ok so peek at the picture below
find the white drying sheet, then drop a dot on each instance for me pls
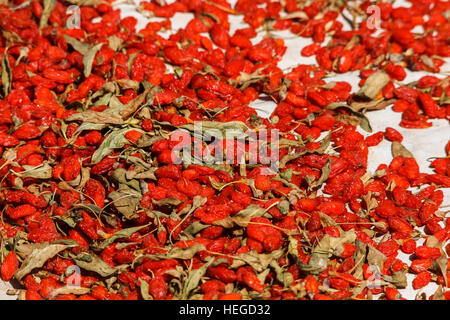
(425, 144)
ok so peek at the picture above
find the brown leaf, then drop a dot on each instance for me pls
(40, 253)
(374, 84)
(49, 5)
(95, 117)
(6, 74)
(398, 149)
(91, 262)
(126, 200)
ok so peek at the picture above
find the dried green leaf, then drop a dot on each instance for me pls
(193, 279)
(39, 254)
(120, 175)
(91, 262)
(195, 228)
(124, 233)
(95, 117)
(167, 202)
(242, 218)
(116, 139)
(258, 261)
(323, 177)
(174, 253)
(126, 200)
(82, 47)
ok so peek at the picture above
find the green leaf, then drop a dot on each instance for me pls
(124, 233)
(193, 279)
(195, 228)
(81, 47)
(116, 139)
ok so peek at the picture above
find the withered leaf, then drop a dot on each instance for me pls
(359, 257)
(258, 261)
(374, 84)
(124, 233)
(88, 3)
(42, 171)
(40, 253)
(89, 57)
(69, 290)
(174, 253)
(323, 177)
(144, 287)
(242, 218)
(126, 200)
(398, 149)
(398, 279)
(82, 47)
(321, 253)
(115, 43)
(91, 262)
(6, 74)
(125, 111)
(116, 139)
(167, 202)
(195, 228)
(439, 294)
(284, 277)
(363, 122)
(295, 15)
(193, 279)
(371, 105)
(120, 175)
(95, 117)
(375, 257)
(49, 5)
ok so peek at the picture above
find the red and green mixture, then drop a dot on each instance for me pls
(93, 207)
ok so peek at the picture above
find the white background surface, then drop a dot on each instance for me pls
(423, 143)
